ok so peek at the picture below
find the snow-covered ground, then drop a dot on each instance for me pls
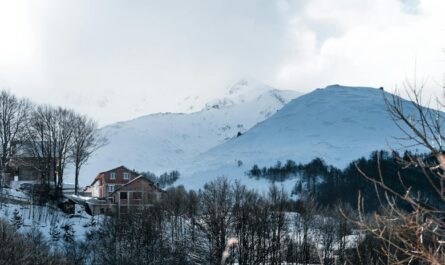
(48, 219)
(14, 194)
(338, 124)
(167, 141)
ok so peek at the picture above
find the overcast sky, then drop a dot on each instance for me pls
(116, 60)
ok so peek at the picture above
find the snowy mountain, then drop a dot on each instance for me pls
(337, 123)
(168, 141)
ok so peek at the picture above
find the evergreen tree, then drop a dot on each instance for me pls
(54, 232)
(255, 171)
(17, 220)
(68, 232)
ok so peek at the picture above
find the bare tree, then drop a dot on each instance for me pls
(251, 224)
(277, 199)
(62, 133)
(13, 117)
(414, 233)
(216, 205)
(36, 138)
(50, 138)
(305, 221)
(421, 125)
(29, 248)
(86, 140)
(40, 143)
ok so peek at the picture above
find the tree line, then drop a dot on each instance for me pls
(224, 223)
(164, 180)
(30, 248)
(330, 185)
(46, 139)
(399, 217)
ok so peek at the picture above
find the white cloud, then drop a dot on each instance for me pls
(373, 43)
(116, 60)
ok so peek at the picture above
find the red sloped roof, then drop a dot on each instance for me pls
(136, 179)
(114, 169)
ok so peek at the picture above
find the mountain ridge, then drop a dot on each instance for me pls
(336, 123)
(167, 141)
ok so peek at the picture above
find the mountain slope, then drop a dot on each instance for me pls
(167, 141)
(338, 124)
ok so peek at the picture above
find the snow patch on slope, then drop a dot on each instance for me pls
(168, 141)
(338, 124)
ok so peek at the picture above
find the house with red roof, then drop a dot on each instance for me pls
(119, 190)
(107, 182)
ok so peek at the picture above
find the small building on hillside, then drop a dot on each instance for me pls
(96, 206)
(67, 205)
(140, 192)
(22, 170)
(118, 190)
(25, 166)
(107, 182)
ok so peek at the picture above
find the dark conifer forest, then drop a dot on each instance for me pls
(330, 185)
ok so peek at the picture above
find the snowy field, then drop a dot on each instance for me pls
(168, 141)
(338, 124)
(50, 220)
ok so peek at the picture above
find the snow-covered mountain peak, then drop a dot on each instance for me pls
(242, 91)
(346, 89)
(336, 123)
(191, 104)
(247, 86)
(167, 141)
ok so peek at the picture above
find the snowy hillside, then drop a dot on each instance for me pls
(168, 141)
(338, 124)
(49, 219)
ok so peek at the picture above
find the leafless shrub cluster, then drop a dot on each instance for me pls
(45, 138)
(414, 233)
(31, 248)
(225, 223)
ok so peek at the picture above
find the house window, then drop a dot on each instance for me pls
(113, 175)
(126, 176)
(123, 195)
(110, 188)
(123, 209)
(137, 195)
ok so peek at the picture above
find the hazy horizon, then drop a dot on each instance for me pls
(118, 60)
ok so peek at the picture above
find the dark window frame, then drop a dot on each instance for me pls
(139, 197)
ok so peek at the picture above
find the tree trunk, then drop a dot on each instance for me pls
(76, 180)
